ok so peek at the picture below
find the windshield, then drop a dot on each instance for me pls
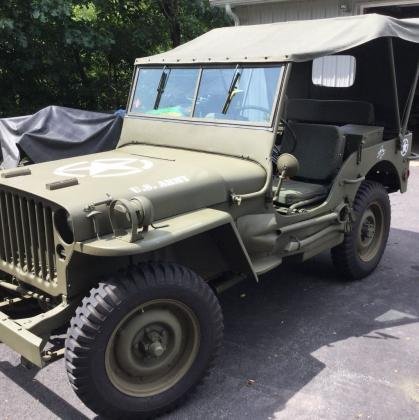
(214, 93)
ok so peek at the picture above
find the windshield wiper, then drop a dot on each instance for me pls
(230, 95)
(162, 85)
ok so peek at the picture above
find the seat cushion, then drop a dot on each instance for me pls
(295, 191)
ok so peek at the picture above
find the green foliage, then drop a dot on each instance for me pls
(79, 53)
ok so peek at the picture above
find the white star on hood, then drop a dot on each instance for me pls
(102, 168)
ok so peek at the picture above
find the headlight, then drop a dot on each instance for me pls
(129, 216)
(64, 226)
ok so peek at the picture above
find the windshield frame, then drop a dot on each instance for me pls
(201, 67)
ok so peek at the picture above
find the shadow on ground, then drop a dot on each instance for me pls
(273, 328)
(25, 379)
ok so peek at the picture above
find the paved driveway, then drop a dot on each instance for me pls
(314, 346)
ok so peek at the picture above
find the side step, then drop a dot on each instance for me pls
(264, 264)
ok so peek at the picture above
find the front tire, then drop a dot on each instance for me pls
(142, 341)
(362, 248)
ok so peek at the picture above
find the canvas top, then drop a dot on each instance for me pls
(286, 41)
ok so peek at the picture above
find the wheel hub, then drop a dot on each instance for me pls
(152, 348)
(370, 232)
(153, 341)
(148, 343)
(156, 349)
(368, 229)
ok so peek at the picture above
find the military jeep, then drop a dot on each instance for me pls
(241, 149)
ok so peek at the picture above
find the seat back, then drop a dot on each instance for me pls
(319, 149)
(337, 112)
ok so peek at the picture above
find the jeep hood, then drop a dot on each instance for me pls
(176, 181)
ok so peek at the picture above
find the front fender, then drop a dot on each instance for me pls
(173, 230)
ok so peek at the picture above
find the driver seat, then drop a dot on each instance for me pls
(319, 149)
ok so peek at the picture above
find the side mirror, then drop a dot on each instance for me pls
(287, 165)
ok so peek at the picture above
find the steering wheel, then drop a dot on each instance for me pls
(293, 135)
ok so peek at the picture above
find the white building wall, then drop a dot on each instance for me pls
(283, 11)
(279, 11)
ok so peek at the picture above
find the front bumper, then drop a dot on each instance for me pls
(24, 342)
(30, 336)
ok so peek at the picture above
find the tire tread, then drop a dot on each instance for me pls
(95, 308)
(343, 254)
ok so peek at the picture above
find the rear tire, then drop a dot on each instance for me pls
(143, 340)
(362, 248)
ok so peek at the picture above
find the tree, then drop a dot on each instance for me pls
(79, 53)
(171, 11)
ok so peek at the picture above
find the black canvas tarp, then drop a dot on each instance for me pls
(56, 133)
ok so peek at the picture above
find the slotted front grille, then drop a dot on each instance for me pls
(27, 237)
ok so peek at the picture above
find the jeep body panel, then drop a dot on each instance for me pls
(176, 181)
(232, 139)
(134, 165)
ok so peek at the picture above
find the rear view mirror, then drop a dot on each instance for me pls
(287, 165)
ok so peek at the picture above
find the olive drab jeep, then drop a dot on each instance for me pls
(241, 149)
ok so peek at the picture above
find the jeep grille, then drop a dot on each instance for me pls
(27, 237)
